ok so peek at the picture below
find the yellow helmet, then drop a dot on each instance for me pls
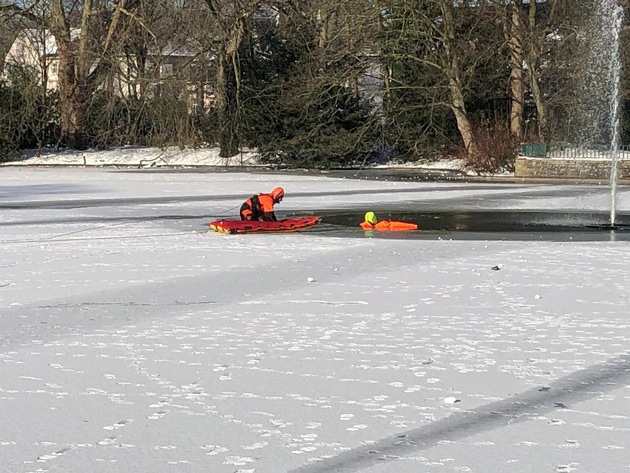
(370, 217)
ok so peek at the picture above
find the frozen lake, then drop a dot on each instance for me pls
(134, 340)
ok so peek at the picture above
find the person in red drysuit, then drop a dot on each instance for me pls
(260, 206)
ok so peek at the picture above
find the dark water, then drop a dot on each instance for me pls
(453, 223)
(484, 225)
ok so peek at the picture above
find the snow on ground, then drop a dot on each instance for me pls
(142, 157)
(135, 341)
(137, 157)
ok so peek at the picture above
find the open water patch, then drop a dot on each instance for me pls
(481, 225)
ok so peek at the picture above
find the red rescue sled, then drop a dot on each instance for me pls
(252, 226)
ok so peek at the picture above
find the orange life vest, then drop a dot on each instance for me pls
(258, 207)
(389, 225)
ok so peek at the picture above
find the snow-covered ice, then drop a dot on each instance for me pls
(135, 341)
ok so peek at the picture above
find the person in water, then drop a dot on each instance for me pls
(372, 223)
(260, 206)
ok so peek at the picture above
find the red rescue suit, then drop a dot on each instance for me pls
(259, 207)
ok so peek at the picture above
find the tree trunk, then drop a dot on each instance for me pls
(228, 139)
(463, 123)
(515, 45)
(228, 88)
(231, 17)
(71, 121)
(80, 68)
(541, 109)
(452, 70)
(534, 53)
(72, 102)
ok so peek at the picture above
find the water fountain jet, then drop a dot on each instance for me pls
(600, 94)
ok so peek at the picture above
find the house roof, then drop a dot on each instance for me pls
(44, 43)
(42, 40)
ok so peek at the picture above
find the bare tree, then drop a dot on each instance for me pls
(514, 33)
(86, 36)
(231, 18)
(443, 38)
(452, 67)
(27, 71)
(543, 27)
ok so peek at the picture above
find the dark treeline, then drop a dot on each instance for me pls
(309, 83)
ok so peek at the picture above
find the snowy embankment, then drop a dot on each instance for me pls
(140, 157)
(173, 157)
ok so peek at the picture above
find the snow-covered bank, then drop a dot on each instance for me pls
(173, 157)
(139, 157)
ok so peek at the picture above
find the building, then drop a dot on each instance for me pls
(36, 50)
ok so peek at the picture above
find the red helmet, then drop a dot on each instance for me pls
(277, 194)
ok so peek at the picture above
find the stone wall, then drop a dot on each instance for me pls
(554, 168)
